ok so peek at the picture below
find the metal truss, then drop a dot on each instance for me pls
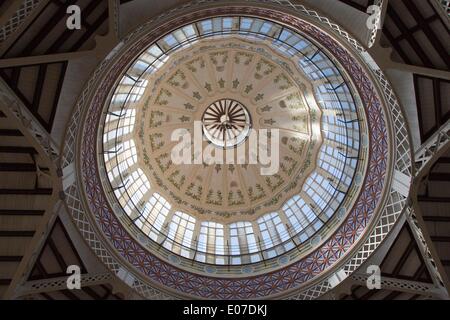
(425, 250)
(20, 112)
(427, 290)
(16, 20)
(432, 149)
(60, 283)
(445, 5)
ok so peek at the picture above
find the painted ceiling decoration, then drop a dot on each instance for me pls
(227, 200)
(225, 231)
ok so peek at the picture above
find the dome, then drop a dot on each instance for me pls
(224, 150)
(230, 144)
(261, 85)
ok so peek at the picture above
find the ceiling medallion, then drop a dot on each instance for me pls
(226, 123)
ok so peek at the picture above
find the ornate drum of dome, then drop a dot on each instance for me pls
(225, 230)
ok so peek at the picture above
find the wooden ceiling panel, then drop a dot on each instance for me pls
(39, 88)
(425, 9)
(424, 31)
(404, 260)
(445, 97)
(65, 248)
(434, 201)
(49, 261)
(406, 18)
(15, 248)
(56, 255)
(26, 81)
(359, 4)
(17, 48)
(433, 104)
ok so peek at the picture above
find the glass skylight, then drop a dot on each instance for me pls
(267, 236)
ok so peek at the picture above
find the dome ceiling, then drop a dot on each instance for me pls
(197, 81)
(224, 226)
(147, 226)
(217, 90)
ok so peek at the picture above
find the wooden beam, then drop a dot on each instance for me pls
(41, 269)
(62, 76)
(39, 84)
(440, 239)
(10, 258)
(436, 219)
(439, 176)
(418, 70)
(38, 87)
(98, 22)
(10, 133)
(9, 212)
(39, 191)
(94, 295)
(70, 295)
(368, 295)
(411, 40)
(46, 296)
(439, 119)
(431, 36)
(9, 11)
(443, 160)
(47, 27)
(14, 38)
(355, 5)
(59, 258)
(404, 257)
(433, 199)
(14, 149)
(397, 48)
(12, 234)
(420, 271)
(418, 27)
(17, 167)
(392, 295)
(58, 43)
(417, 93)
(42, 59)
(72, 245)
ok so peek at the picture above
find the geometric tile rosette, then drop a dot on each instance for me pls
(375, 212)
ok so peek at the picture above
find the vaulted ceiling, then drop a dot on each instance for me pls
(45, 66)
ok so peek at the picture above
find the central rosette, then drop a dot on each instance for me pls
(226, 123)
(228, 95)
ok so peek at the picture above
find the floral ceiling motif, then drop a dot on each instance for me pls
(261, 80)
(292, 86)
